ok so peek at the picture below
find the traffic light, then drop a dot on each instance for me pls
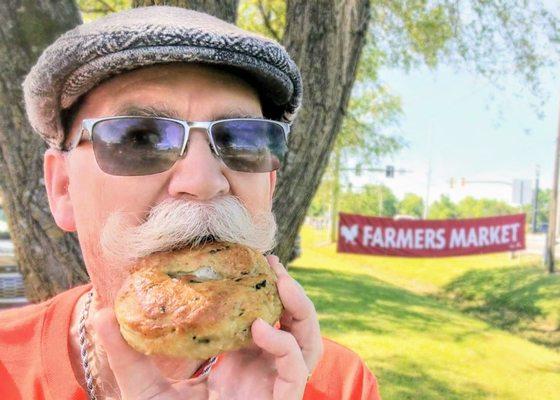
(389, 171)
(451, 182)
(463, 182)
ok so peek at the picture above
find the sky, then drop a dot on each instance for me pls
(466, 127)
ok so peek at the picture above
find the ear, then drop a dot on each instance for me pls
(55, 171)
(272, 179)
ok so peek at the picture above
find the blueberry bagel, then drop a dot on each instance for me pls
(197, 302)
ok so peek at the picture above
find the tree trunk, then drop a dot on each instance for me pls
(223, 9)
(325, 38)
(49, 260)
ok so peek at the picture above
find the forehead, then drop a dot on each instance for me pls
(177, 90)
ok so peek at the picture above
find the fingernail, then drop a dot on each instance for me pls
(262, 322)
(273, 258)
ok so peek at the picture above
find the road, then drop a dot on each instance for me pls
(535, 243)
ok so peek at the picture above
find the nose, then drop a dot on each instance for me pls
(198, 174)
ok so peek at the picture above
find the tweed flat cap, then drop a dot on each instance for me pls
(90, 53)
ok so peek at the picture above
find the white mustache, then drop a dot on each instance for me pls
(178, 223)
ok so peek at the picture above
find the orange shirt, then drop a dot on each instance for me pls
(35, 362)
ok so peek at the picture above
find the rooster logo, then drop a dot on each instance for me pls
(350, 233)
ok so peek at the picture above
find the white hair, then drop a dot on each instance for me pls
(177, 223)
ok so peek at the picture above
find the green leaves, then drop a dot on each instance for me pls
(267, 17)
(469, 207)
(93, 9)
(412, 205)
(370, 200)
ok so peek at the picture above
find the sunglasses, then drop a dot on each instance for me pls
(132, 146)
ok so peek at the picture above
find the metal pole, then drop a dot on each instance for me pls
(428, 184)
(429, 172)
(536, 200)
(335, 195)
(551, 237)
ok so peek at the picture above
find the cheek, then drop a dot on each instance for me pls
(95, 195)
(252, 189)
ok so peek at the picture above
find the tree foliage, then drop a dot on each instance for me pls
(376, 200)
(443, 208)
(411, 204)
(543, 202)
(93, 9)
(469, 207)
(490, 37)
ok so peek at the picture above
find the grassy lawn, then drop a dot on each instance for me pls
(421, 346)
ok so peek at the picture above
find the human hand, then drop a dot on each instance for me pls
(275, 367)
(279, 363)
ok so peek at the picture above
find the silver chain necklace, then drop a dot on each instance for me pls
(85, 346)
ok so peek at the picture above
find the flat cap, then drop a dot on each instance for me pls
(90, 53)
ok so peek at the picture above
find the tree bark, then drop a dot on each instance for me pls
(325, 38)
(49, 260)
(223, 9)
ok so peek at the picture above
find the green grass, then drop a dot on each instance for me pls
(524, 300)
(418, 345)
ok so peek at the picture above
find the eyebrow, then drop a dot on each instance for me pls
(160, 110)
(164, 111)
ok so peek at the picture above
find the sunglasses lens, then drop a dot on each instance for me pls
(136, 146)
(250, 145)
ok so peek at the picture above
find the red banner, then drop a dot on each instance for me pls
(430, 238)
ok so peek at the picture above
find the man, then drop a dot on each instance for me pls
(129, 174)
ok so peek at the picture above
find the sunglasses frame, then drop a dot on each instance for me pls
(89, 123)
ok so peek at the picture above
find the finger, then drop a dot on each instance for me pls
(136, 376)
(292, 294)
(300, 318)
(276, 265)
(288, 359)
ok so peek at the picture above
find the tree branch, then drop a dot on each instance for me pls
(94, 10)
(108, 7)
(267, 23)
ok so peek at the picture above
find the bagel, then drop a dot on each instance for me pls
(196, 302)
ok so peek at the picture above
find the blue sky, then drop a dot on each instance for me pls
(470, 128)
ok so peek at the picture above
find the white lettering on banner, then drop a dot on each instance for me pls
(458, 238)
(378, 238)
(515, 227)
(430, 235)
(483, 236)
(418, 238)
(358, 234)
(404, 238)
(473, 240)
(430, 238)
(494, 235)
(390, 237)
(505, 234)
(440, 236)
